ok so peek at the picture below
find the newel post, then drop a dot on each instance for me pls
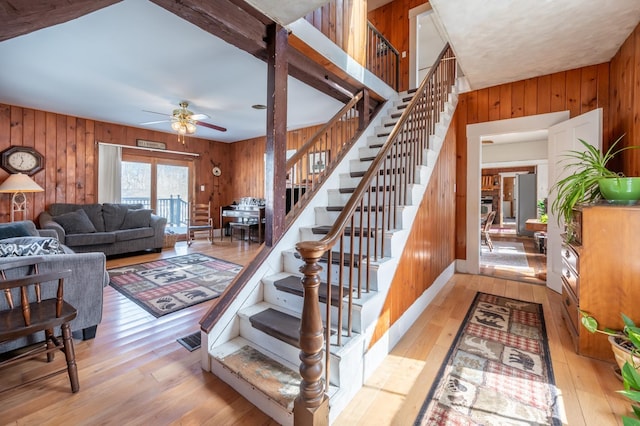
(312, 405)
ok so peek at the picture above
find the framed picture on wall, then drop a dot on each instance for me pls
(318, 161)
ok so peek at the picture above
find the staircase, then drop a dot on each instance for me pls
(256, 349)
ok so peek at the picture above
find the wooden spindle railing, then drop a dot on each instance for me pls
(366, 220)
(382, 58)
(317, 157)
(336, 138)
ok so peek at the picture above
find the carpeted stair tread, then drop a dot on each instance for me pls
(365, 208)
(348, 231)
(282, 326)
(293, 285)
(373, 189)
(335, 258)
(381, 172)
(273, 379)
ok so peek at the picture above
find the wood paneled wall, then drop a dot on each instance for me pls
(248, 179)
(578, 91)
(392, 20)
(430, 248)
(345, 23)
(69, 147)
(625, 100)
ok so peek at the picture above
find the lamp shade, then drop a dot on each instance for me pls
(19, 182)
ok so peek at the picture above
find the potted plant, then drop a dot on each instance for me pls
(590, 180)
(625, 344)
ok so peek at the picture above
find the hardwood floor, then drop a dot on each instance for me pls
(134, 371)
(537, 272)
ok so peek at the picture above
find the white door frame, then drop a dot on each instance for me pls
(413, 41)
(474, 166)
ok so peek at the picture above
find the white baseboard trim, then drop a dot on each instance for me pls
(376, 354)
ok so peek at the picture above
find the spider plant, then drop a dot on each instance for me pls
(585, 169)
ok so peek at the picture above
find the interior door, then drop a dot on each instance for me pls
(563, 137)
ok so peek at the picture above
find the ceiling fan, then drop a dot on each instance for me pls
(184, 121)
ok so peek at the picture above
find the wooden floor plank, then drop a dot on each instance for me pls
(134, 371)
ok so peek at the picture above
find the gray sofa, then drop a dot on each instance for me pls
(84, 289)
(108, 228)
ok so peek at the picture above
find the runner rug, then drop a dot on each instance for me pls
(168, 285)
(498, 370)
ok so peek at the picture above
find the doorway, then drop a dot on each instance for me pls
(160, 184)
(475, 135)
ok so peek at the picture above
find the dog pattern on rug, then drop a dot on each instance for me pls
(167, 285)
(498, 370)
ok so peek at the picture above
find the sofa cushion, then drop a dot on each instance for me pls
(76, 222)
(114, 215)
(15, 229)
(134, 234)
(29, 246)
(94, 211)
(94, 238)
(140, 218)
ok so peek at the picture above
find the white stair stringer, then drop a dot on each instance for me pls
(354, 361)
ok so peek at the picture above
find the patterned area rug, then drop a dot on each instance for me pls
(498, 370)
(168, 285)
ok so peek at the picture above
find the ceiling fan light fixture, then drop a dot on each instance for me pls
(175, 125)
(191, 127)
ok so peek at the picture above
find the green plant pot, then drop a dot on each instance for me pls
(624, 189)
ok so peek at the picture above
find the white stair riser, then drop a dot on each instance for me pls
(293, 302)
(307, 235)
(257, 398)
(292, 264)
(324, 217)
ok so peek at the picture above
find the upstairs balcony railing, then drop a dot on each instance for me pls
(360, 232)
(382, 58)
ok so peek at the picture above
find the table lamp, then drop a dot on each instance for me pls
(17, 184)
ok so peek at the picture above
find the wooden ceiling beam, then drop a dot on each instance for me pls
(235, 24)
(20, 17)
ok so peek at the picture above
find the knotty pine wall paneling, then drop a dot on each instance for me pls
(625, 101)
(430, 248)
(578, 91)
(392, 20)
(69, 147)
(344, 22)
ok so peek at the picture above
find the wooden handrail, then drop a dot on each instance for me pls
(302, 151)
(385, 185)
(341, 222)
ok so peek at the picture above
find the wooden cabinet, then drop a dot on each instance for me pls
(601, 274)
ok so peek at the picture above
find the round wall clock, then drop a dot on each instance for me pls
(216, 171)
(21, 159)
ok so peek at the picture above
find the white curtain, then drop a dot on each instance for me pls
(109, 166)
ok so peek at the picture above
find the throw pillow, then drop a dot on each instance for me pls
(137, 219)
(29, 246)
(75, 222)
(9, 230)
(114, 215)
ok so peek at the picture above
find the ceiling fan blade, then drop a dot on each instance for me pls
(155, 122)
(211, 126)
(159, 113)
(198, 116)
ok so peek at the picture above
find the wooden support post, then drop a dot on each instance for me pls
(363, 110)
(275, 173)
(312, 405)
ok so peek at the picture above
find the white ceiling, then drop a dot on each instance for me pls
(500, 41)
(115, 63)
